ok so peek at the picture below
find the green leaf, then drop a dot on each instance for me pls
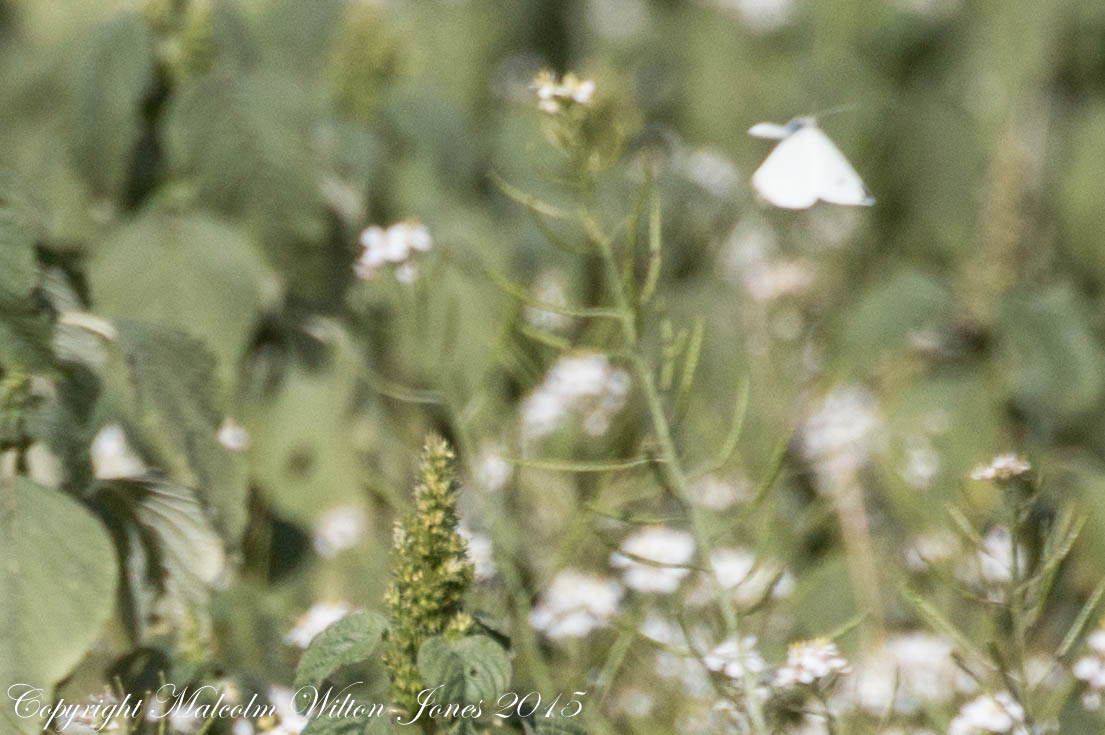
(57, 583)
(1056, 365)
(348, 641)
(892, 309)
(243, 143)
(468, 669)
(116, 70)
(302, 448)
(18, 269)
(174, 377)
(185, 271)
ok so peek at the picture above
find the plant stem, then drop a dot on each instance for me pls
(672, 464)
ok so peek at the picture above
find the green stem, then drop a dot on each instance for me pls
(671, 465)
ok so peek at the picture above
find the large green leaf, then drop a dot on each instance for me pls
(174, 382)
(468, 669)
(1056, 366)
(350, 640)
(57, 583)
(303, 452)
(18, 270)
(115, 73)
(185, 271)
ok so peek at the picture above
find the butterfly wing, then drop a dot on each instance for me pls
(786, 177)
(834, 179)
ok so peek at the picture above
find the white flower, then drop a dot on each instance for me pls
(931, 548)
(554, 96)
(989, 713)
(996, 556)
(735, 658)
(713, 172)
(492, 471)
(396, 246)
(713, 493)
(838, 437)
(747, 579)
(575, 604)
(233, 435)
(291, 722)
(1001, 468)
(479, 552)
(922, 462)
(811, 663)
(653, 558)
(760, 16)
(318, 618)
(112, 457)
(549, 289)
(1091, 669)
(582, 384)
(338, 529)
(909, 671)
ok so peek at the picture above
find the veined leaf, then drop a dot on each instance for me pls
(468, 669)
(185, 271)
(57, 583)
(173, 378)
(348, 641)
(116, 71)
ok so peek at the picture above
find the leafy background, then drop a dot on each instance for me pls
(198, 173)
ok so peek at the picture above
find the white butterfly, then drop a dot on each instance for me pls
(804, 167)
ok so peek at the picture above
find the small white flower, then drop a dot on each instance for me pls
(396, 246)
(584, 385)
(1001, 468)
(549, 289)
(811, 663)
(838, 437)
(575, 604)
(318, 618)
(479, 552)
(1091, 669)
(233, 435)
(554, 96)
(338, 529)
(989, 713)
(112, 457)
(653, 559)
(291, 721)
(492, 471)
(735, 658)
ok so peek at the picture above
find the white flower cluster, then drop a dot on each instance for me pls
(839, 436)
(747, 579)
(736, 658)
(318, 618)
(1001, 468)
(554, 95)
(338, 529)
(909, 672)
(395, 246)
(1091, 669)
(291, 721)
(586, 384)
(813, 663)
(989, 713)
(654, 559)
(549, 289)
(575, 604)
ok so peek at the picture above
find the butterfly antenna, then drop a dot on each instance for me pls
(835, 110)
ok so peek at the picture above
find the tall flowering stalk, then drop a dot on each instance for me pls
(429, 561)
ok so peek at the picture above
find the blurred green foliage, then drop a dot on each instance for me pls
(198, 172)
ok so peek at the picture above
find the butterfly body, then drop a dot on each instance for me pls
(806, 167)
